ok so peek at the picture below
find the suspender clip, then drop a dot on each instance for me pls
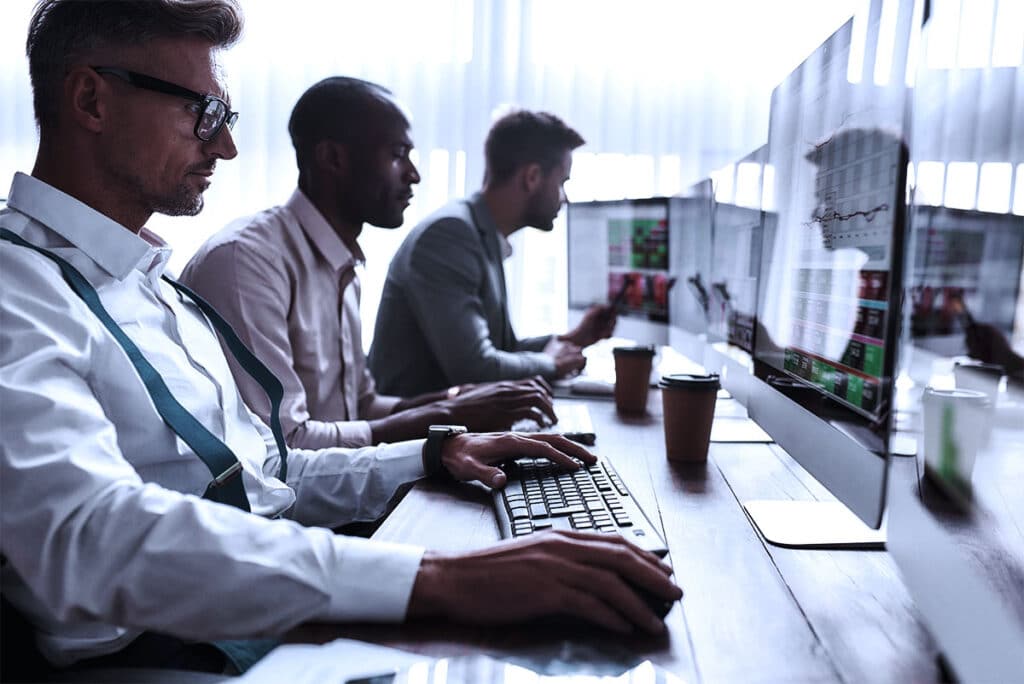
(226, 475)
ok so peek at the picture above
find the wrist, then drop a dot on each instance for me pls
(401, 426)
(439, 444)
(428, 589)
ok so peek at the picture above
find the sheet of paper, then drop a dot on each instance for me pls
(337, 661)
(738, 430)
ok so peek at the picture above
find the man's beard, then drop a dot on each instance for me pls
(538, 218)
(184, 201)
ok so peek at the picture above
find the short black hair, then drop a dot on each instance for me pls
(523, 137)
(339, 108)
(62, 32)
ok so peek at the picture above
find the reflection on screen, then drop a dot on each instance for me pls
(966, 269)
(833, 254)
(736, 253)
(690, 228)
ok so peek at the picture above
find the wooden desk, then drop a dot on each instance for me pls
(751, 612)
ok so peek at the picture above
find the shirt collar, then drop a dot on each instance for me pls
(486, 224)
(506, 246)
(113, 248)
(322, 235)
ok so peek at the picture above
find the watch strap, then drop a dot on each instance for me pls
(436, 434)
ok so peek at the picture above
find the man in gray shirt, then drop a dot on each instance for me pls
(443, 316)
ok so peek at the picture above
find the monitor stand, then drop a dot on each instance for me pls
(812, 525)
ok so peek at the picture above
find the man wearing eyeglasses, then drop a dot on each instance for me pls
(287, 280)
(147, 516)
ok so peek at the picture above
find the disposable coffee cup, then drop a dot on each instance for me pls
(979, 377)
(954, 431)
(688, 402)
(632, 378)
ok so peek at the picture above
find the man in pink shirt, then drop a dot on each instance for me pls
(286, 279)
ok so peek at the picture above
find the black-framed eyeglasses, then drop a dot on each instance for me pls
(213, 112)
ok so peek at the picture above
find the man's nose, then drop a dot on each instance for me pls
(223, 145)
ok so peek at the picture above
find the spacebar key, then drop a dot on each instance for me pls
(566, 510)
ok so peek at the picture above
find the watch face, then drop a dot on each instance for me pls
(448, 429)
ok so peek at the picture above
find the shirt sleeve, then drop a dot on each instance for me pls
(93, 542)
(250, 291)
(371, 404)
(338, 486)
(447, 270)
(533, 344)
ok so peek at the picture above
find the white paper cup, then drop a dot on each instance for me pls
(955, 429)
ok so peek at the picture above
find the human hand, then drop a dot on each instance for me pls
(475, 456)
(497, 405)
(598, 323)
(987, 343)
(568, 574)
(568, 356)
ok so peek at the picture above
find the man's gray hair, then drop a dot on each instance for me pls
(62, 32)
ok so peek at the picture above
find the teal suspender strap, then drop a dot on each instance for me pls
(226, 486)
(252, 365)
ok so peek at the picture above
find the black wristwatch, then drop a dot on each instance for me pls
(436, 434)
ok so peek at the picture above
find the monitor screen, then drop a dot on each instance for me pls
(829, 301)
(690, 228)
(736, 252)
(831, 267)
(619, 252)
(963, 333)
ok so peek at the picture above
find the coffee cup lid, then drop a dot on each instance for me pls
(645, 350)
(690, 381)
(958, 395)
(981, 366)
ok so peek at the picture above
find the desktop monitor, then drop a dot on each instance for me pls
(828, 308)
(619, 251)
(962, 557)
(735, 268)
(690, 230)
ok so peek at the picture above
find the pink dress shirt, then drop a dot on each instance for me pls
(289, 286)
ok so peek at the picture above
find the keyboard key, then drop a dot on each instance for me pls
(538, 511)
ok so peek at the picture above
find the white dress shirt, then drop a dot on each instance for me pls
(103, 530)
(290, 288)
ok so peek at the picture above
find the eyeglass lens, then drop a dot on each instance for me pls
(211, 119)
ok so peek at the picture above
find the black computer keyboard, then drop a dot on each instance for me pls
(542, 496)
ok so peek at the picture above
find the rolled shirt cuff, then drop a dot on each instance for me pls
(356, 433)
(373, 581)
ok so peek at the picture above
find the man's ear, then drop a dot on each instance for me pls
(87, 94)
(332, 157)
(530, 177)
